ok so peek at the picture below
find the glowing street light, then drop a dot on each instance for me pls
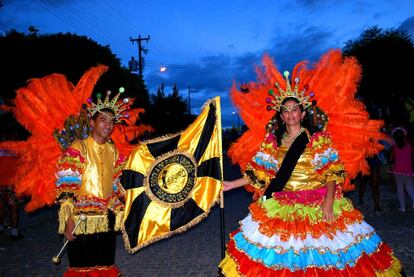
(238, 119)
(161, 69)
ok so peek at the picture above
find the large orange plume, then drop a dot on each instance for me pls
(42, 107)
(333, 80)
(124, 133)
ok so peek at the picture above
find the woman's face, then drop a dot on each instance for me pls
(291, 113)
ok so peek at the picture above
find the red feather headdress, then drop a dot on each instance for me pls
(333, 81)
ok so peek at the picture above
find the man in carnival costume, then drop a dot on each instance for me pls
(316, 140)
(88, 163)
(88, 186)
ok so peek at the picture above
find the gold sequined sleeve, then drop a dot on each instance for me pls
(263, 166)
(326, 160)
(70, 168)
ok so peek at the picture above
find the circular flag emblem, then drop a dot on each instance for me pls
(172, 178)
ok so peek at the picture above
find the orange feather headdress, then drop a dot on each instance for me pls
(333, 82)
(42, 108)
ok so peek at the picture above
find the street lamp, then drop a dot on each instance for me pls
(161, 69)
(134, 67)
(238, 119)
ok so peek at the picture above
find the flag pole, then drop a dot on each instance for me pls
(223, 233)
(219, 132)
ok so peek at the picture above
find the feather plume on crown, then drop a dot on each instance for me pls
(276, 102)
(117, 106)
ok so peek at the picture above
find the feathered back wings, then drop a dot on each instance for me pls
(42, 107)
(252, 109)
(333, 81)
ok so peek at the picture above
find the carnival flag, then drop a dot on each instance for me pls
(172, 182)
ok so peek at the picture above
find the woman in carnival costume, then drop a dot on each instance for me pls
(316, 140)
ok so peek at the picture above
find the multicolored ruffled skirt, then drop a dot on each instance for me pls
(286, 236)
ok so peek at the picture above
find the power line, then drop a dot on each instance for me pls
(4, 27)
(75, 9)
(120, 17)
(195, 66)
(129, 25)
(51, 8)
(111, 12)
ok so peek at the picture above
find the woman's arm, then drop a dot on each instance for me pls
(229, 185)
(327, 206)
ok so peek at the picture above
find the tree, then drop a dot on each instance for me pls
(175, 92)
(32, 56)
(32, 30)
(168, 114)
(386, 57)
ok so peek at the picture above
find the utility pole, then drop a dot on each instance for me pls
(189, 98)
(140, 50)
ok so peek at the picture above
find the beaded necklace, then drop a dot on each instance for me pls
(287, 140)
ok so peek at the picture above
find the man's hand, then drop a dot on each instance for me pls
(70, 226)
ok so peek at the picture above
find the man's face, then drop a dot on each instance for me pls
(103, 126)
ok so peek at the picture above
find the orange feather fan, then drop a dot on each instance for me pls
(333, 80)
(42, 107)
(124, 133)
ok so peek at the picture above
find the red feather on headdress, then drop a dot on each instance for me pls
(333, 80)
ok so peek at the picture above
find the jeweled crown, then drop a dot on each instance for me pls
(276, 102)
(119, 107)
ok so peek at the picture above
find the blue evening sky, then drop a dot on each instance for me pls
(210, 44)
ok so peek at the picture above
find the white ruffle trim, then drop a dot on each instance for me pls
(342, 240)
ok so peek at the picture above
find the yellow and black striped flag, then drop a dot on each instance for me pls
(172, 182)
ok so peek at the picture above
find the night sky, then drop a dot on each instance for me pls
(210, 44)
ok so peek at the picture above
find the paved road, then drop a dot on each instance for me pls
(194, 253)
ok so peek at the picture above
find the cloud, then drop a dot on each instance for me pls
(377, 15)
(312, 3)
(408, 25)
(307, 43)
(28, 2)
(214, 75)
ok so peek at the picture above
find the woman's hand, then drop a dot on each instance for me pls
(327, 211)
(228, 185)
(327, 206)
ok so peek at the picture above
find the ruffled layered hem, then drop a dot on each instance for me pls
(238, 264)
(281, 237)
(96, 271)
